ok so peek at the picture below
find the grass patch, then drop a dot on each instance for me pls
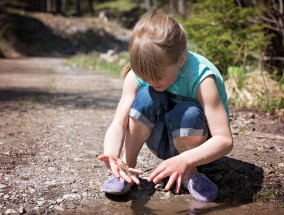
(118, 5)
(254, 90)
(93, 61)
(265, 195)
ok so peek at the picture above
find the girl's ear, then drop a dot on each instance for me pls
(182, 59)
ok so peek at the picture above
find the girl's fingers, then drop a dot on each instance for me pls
(159, 177)
(178, 184)
(132, 170)
(136, 180)
(114, 170)
(125, 176)
(154, 174)
(171, 181)
(104, 158)
(101, 157)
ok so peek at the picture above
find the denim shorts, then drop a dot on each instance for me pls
(167, 120)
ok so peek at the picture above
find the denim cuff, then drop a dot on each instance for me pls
(141, 118)
(187, 132)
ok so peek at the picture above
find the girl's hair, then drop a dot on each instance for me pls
(157, 41)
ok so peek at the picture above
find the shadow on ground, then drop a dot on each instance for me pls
(63, 99)
(238, 181)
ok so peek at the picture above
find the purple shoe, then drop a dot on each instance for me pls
(202, 188)
(116, 186)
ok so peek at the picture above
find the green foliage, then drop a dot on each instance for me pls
(273, 104)
(282, 82)
(222, 32)
(238, 74)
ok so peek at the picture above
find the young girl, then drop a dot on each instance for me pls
(173, 100)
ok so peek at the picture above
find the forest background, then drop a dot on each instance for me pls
(243, 38)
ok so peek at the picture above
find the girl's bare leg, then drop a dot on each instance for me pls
(136, 135)
(186, 143)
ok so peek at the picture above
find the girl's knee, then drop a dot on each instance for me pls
(188, 142)
(147, 96)
(149, 103)
(187, 119)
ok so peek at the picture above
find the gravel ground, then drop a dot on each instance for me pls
(52, 123)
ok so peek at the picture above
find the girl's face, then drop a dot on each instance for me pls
(169, 76)
(168, 79)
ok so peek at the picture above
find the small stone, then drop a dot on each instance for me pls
(158, 186)
(22, 210)
(40, 203)
(78, 159)
(72, 196)
(6, 197)
(58, 208)
(168, 195)
(51, 169)
(41, 210)
(52, 202)
(50, 183)
(10, 211)
(281, 165)
(85, 194)
(31, 190)
(2, 186)
(92, 184)
(59, 201)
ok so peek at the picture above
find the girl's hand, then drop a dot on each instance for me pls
(176, 168)
(120, 169)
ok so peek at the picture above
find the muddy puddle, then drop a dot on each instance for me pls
(174, 206)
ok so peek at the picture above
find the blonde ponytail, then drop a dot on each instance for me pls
(125, 70)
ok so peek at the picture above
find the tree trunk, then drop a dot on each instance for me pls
(91, 8)
(49, 6)
(149, 6)
(172, 8)
(63, 6)
(78, 8)
(182, 8)
(58, 7)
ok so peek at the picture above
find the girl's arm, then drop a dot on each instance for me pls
(221, 142)
(114, 137)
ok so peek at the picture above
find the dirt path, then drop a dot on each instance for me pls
(52, 123)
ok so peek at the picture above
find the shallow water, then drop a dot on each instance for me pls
(174, 206)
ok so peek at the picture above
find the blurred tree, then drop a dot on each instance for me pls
(91, 7)
(78, 8)
(149, 6)
(49, 6)
(58, 6)
(273, 20)
(181, 8)
(172, 7)
(220, 30)
(177, 7)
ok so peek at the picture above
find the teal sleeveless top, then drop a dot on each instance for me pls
(195, 69)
